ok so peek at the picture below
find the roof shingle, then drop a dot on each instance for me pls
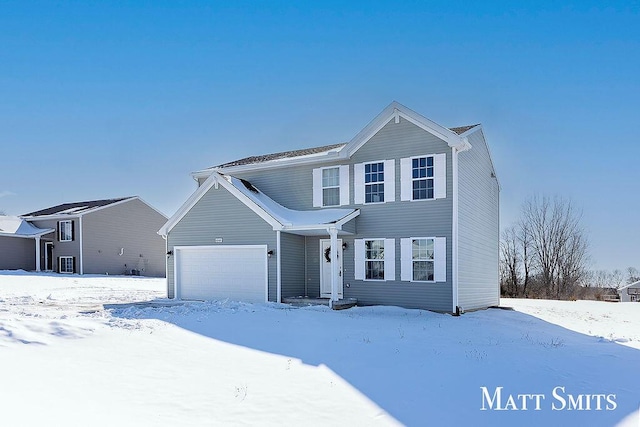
(76, 207)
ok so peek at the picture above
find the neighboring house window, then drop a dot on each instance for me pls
(423, 259)
(374, 182)
(423, 177)
(66, 264)
(65, 231)
(374, 259)
(331, 186)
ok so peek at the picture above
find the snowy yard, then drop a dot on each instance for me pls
(74, 352)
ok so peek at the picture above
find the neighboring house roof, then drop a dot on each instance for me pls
(276, 215)
(18, 227)
(452, 136)
(76, 207)
(631, 285)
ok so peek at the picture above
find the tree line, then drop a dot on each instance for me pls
(545, 254)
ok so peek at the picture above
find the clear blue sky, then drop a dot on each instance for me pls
(107, 99)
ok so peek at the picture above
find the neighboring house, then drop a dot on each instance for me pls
(114, 236)
(630, 293)
(406, 214)
(20, 243)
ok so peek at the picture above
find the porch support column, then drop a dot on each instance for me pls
(333, 233)
(278, 269)
(37, 253)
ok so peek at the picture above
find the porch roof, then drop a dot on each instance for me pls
(311, 222)
(18, 227)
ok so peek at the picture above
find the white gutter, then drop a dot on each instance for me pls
(454, 226)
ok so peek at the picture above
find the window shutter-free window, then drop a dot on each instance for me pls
(344, 185)
(358, 256)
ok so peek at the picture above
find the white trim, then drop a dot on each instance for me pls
(390, 259)
(38, 253)
(340, 265)
(344, 185)
(406, 259)
(278, 271)
(65, 221)
(80, 257)
(389, 180)
(358, 183)
(361, 184)
(440, 259)
(454, 231)
(46, 256)
(60, 264)
(363, 261)
(406, 179)
(439, 177)
(176, 249)
(358, 258)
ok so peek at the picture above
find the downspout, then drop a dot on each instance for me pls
(333, 233)
(454, 233)
(278, 269)
(80, 241)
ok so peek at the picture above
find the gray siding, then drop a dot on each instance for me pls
(218, 214)
(478, 225)
(132, 227)
(292, 187)
(293, 264)
(71, 248)
(17, 253)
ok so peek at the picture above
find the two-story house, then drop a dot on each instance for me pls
(406, 214)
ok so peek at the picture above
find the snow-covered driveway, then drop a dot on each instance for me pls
(66, 360)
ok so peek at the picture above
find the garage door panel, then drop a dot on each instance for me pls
(221, 272)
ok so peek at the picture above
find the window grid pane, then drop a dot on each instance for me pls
(422, 254)
(331, 187)
(374, 259)
(422, 175)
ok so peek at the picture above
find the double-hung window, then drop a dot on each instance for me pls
(65, 231)
(374, 182)
(422, 178)
(422, 256)
(374, 259)
(331, 187)
(66, 264)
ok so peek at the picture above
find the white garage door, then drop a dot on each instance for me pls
(220, 272)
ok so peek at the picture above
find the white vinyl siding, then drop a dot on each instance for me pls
(423, 253)
(331, 186)
(438, 178)
(374, 182)
(374, 259)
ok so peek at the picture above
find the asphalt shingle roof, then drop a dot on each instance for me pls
(76, 207)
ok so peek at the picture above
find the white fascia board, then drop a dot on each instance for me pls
(29, 236)
(186, 206)
(324, 157)
(392, 112)
(88, 211)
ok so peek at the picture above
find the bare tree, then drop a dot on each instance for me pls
(548, 244)
(633, 275)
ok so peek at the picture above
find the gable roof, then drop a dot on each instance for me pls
(393, 111)
(76, 207)
(279, 217)
(631, 285)
(18, 227)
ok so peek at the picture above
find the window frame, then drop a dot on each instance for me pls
(60, 264)
(378, 183)
(322, 186)
(426, 178)
(381, 260)
(68, 232)
(432, 260)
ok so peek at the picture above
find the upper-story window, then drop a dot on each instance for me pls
(331, 186)
(423, 177)
(374, 182)
(65, 231)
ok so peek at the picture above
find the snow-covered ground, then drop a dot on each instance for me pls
(74, 351)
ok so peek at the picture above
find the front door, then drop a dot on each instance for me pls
(325, 268)
(48, 256)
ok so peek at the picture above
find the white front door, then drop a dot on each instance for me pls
(325, 268)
